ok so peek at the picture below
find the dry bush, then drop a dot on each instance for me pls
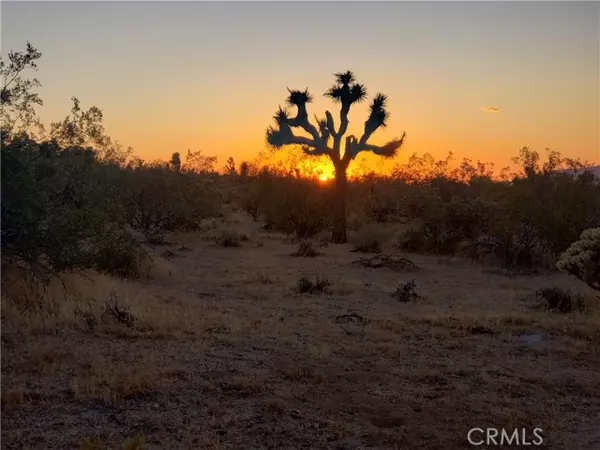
(90, 302)
(306, 249)
(230, 238)
(446, 225)
(114, 382)
(396, 263)
(369, 239)
(561, 300)
(124, 259)
(262, 278)
(307, 286)
(245, 385)
(299, 207)
(406, 292)
(376, 198)
(512, 245)
(158, 198)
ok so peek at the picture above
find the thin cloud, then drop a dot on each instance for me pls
(490, 109)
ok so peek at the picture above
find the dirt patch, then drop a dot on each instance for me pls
(223, 353)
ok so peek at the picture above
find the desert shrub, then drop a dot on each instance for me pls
(255, 192)
(560, 207)
(512, 244)
(537, 217)
(526, 221)
(423, 169)
(559, 204)
(307, 286)
(561, 300)
(59, 193)
(396, 263)
(448, 188)
(57, 205)
(229, 238)
(406, 292)
(115, 308)
(445, 225)
(369, 239)
(306, 249)
(71, 197)
(374, 198)
(298, 206)
(582, 258)
(417, 199)
(121, 256)
(157, 198)
(412, 240)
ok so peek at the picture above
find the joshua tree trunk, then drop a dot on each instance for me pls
(339, 206)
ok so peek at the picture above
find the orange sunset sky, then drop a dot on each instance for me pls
(480, 79)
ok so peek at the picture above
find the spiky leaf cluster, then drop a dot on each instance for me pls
(346, 91)
(278, 137)
(282, 116)
(297, 97)
(582, 258)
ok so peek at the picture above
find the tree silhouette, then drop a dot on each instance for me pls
(18, 98)
(346, 92)
(230, 166)
(176, 161)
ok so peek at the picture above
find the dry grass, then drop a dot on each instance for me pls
(224, 354)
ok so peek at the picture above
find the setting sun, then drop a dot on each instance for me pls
(323, 177)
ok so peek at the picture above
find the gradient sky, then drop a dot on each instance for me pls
(172, 76)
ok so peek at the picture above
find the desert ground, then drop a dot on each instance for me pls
(217, 349)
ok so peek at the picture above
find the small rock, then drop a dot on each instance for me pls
(531, 339)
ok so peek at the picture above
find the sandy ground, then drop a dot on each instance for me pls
(224, 353)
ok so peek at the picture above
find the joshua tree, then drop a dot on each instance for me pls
(325, 139)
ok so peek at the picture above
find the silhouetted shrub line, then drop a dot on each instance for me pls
(73, 199)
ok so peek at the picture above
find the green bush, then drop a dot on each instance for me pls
(56, 204)
(121, 256)
(157, 199)
(445, 225)
(582, 258)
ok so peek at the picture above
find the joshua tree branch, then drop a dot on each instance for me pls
(387, 150)
(330, 123)
(305, 124)
(345, 109)
(284, 136)
(365, 137)
(315, 151)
